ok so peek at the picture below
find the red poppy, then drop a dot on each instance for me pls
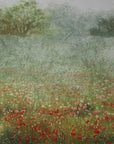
(112, 118)
(105, 138)
(20, 137)
(19, 124)
(80, 138)
(54, 139)
(29, 102)
(91, 128)
(112, 105)
(16, 114)
(23, 111)
(73, 134)
(23, 107)
(49, 135)
(49, 132)
(43, 134)
(94, 112)
(8, 115)
(5, 119)
(94, 136)
(95, 122)
(33, 138)
(97, 131)
(98, 127)
(107, 118)
(53, 131)
(39, 127)
(17, 127)
(87, 121)
(34, 128)
(56, 131)
(57, 110)
(26, 138)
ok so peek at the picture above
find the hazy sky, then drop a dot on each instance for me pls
(81, 4)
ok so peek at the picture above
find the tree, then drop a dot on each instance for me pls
(105, 26)
(23, 18)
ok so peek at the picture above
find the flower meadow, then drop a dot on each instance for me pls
(63, 114)
(56, 84)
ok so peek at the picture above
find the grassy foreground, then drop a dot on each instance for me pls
(56, 93)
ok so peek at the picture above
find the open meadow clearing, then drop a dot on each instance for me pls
(49, 94)
(57, 88)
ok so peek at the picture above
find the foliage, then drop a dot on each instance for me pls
(105, 26)
(23, 18)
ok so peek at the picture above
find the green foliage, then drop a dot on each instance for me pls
(24, 18)
(105, 26)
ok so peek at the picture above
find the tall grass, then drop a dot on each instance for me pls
(55, 89)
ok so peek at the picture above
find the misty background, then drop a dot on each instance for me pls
(84, 5)
(75, 38)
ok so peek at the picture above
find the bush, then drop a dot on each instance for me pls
(23, 18)
(105, 26)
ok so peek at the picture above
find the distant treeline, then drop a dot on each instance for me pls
(105, 27)
(26, 17)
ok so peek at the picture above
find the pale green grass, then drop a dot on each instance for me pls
(67, 71)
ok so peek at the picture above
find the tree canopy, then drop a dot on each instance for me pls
(23, 18)
(105, 27)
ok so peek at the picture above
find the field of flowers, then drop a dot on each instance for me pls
(47, 98)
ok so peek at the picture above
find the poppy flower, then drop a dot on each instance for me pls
(54, 139)
(20, 137)
(49, 135)
(94, 136)
(73, 134)
(91, 128)
(26, 138)
(107, 118)
(94, 112)
(105, 138)
(112, 105)
(5, 119)
(97, 131)
(23, 107)
(33, 138)
(80, 138)
(23, 111)
(43, 134)
(87, 121)
(57, 110)
(35, 128)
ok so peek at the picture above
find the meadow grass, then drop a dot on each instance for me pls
(54, 91)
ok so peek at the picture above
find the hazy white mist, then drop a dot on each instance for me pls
(96, 5)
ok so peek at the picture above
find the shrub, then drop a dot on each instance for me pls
(105, 26)
(23, 18)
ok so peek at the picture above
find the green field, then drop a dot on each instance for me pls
(66, 84)
(57, 87)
